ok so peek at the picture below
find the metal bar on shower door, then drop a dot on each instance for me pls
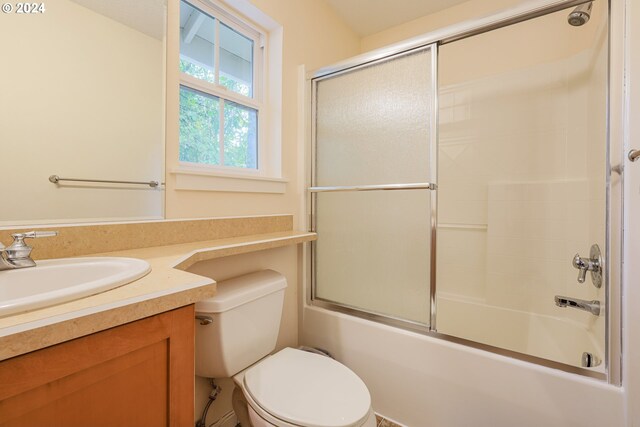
(380, 187)
(433, 171)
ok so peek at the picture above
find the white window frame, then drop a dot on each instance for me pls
(197, 176)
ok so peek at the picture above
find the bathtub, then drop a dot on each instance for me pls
(423, 381)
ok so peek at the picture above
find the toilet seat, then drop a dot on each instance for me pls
(298, 388)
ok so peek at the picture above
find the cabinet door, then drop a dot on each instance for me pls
(139, 374)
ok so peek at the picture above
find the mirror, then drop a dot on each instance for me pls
(83, 97)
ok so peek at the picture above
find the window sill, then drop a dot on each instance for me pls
(205, 180)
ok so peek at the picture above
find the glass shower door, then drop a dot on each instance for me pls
(524, 234)
(372, 187)
(522, 186)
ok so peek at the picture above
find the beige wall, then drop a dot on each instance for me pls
(312, 36)
(469, 10)
(82, 97)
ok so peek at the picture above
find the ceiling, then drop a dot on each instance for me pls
(367, 17)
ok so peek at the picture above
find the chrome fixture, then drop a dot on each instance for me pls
(55, 179)
(634, 155)
(204, 320)
(17, 255)
(589, 360)
(385, 187)
(592, 307)
(592, 264)
(580, 15)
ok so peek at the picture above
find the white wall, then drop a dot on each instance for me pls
(471, 9)
(82, 97)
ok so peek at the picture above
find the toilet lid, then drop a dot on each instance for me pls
(308, 389)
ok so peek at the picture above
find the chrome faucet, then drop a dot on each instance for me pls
(592, 264)
(592, 307)
(18, 254)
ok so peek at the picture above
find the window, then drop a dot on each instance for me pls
(221, 100)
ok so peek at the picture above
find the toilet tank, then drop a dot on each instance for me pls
(246, 313)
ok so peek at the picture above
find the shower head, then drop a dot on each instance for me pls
(580, 15)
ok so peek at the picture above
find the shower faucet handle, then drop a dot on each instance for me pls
(583, 265)
(592, 264)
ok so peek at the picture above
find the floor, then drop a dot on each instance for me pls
(383, 422)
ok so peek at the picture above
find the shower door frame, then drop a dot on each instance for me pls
(430, 186)
(613, 344)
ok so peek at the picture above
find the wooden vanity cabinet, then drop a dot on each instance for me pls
(138, 374)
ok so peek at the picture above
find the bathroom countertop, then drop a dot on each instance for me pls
(166, 287)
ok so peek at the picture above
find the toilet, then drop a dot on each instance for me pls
(291, 388)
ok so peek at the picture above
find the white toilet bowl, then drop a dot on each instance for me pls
(295, 388)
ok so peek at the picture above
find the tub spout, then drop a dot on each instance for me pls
(592, 307)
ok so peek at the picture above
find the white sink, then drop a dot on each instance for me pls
(56, 281)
